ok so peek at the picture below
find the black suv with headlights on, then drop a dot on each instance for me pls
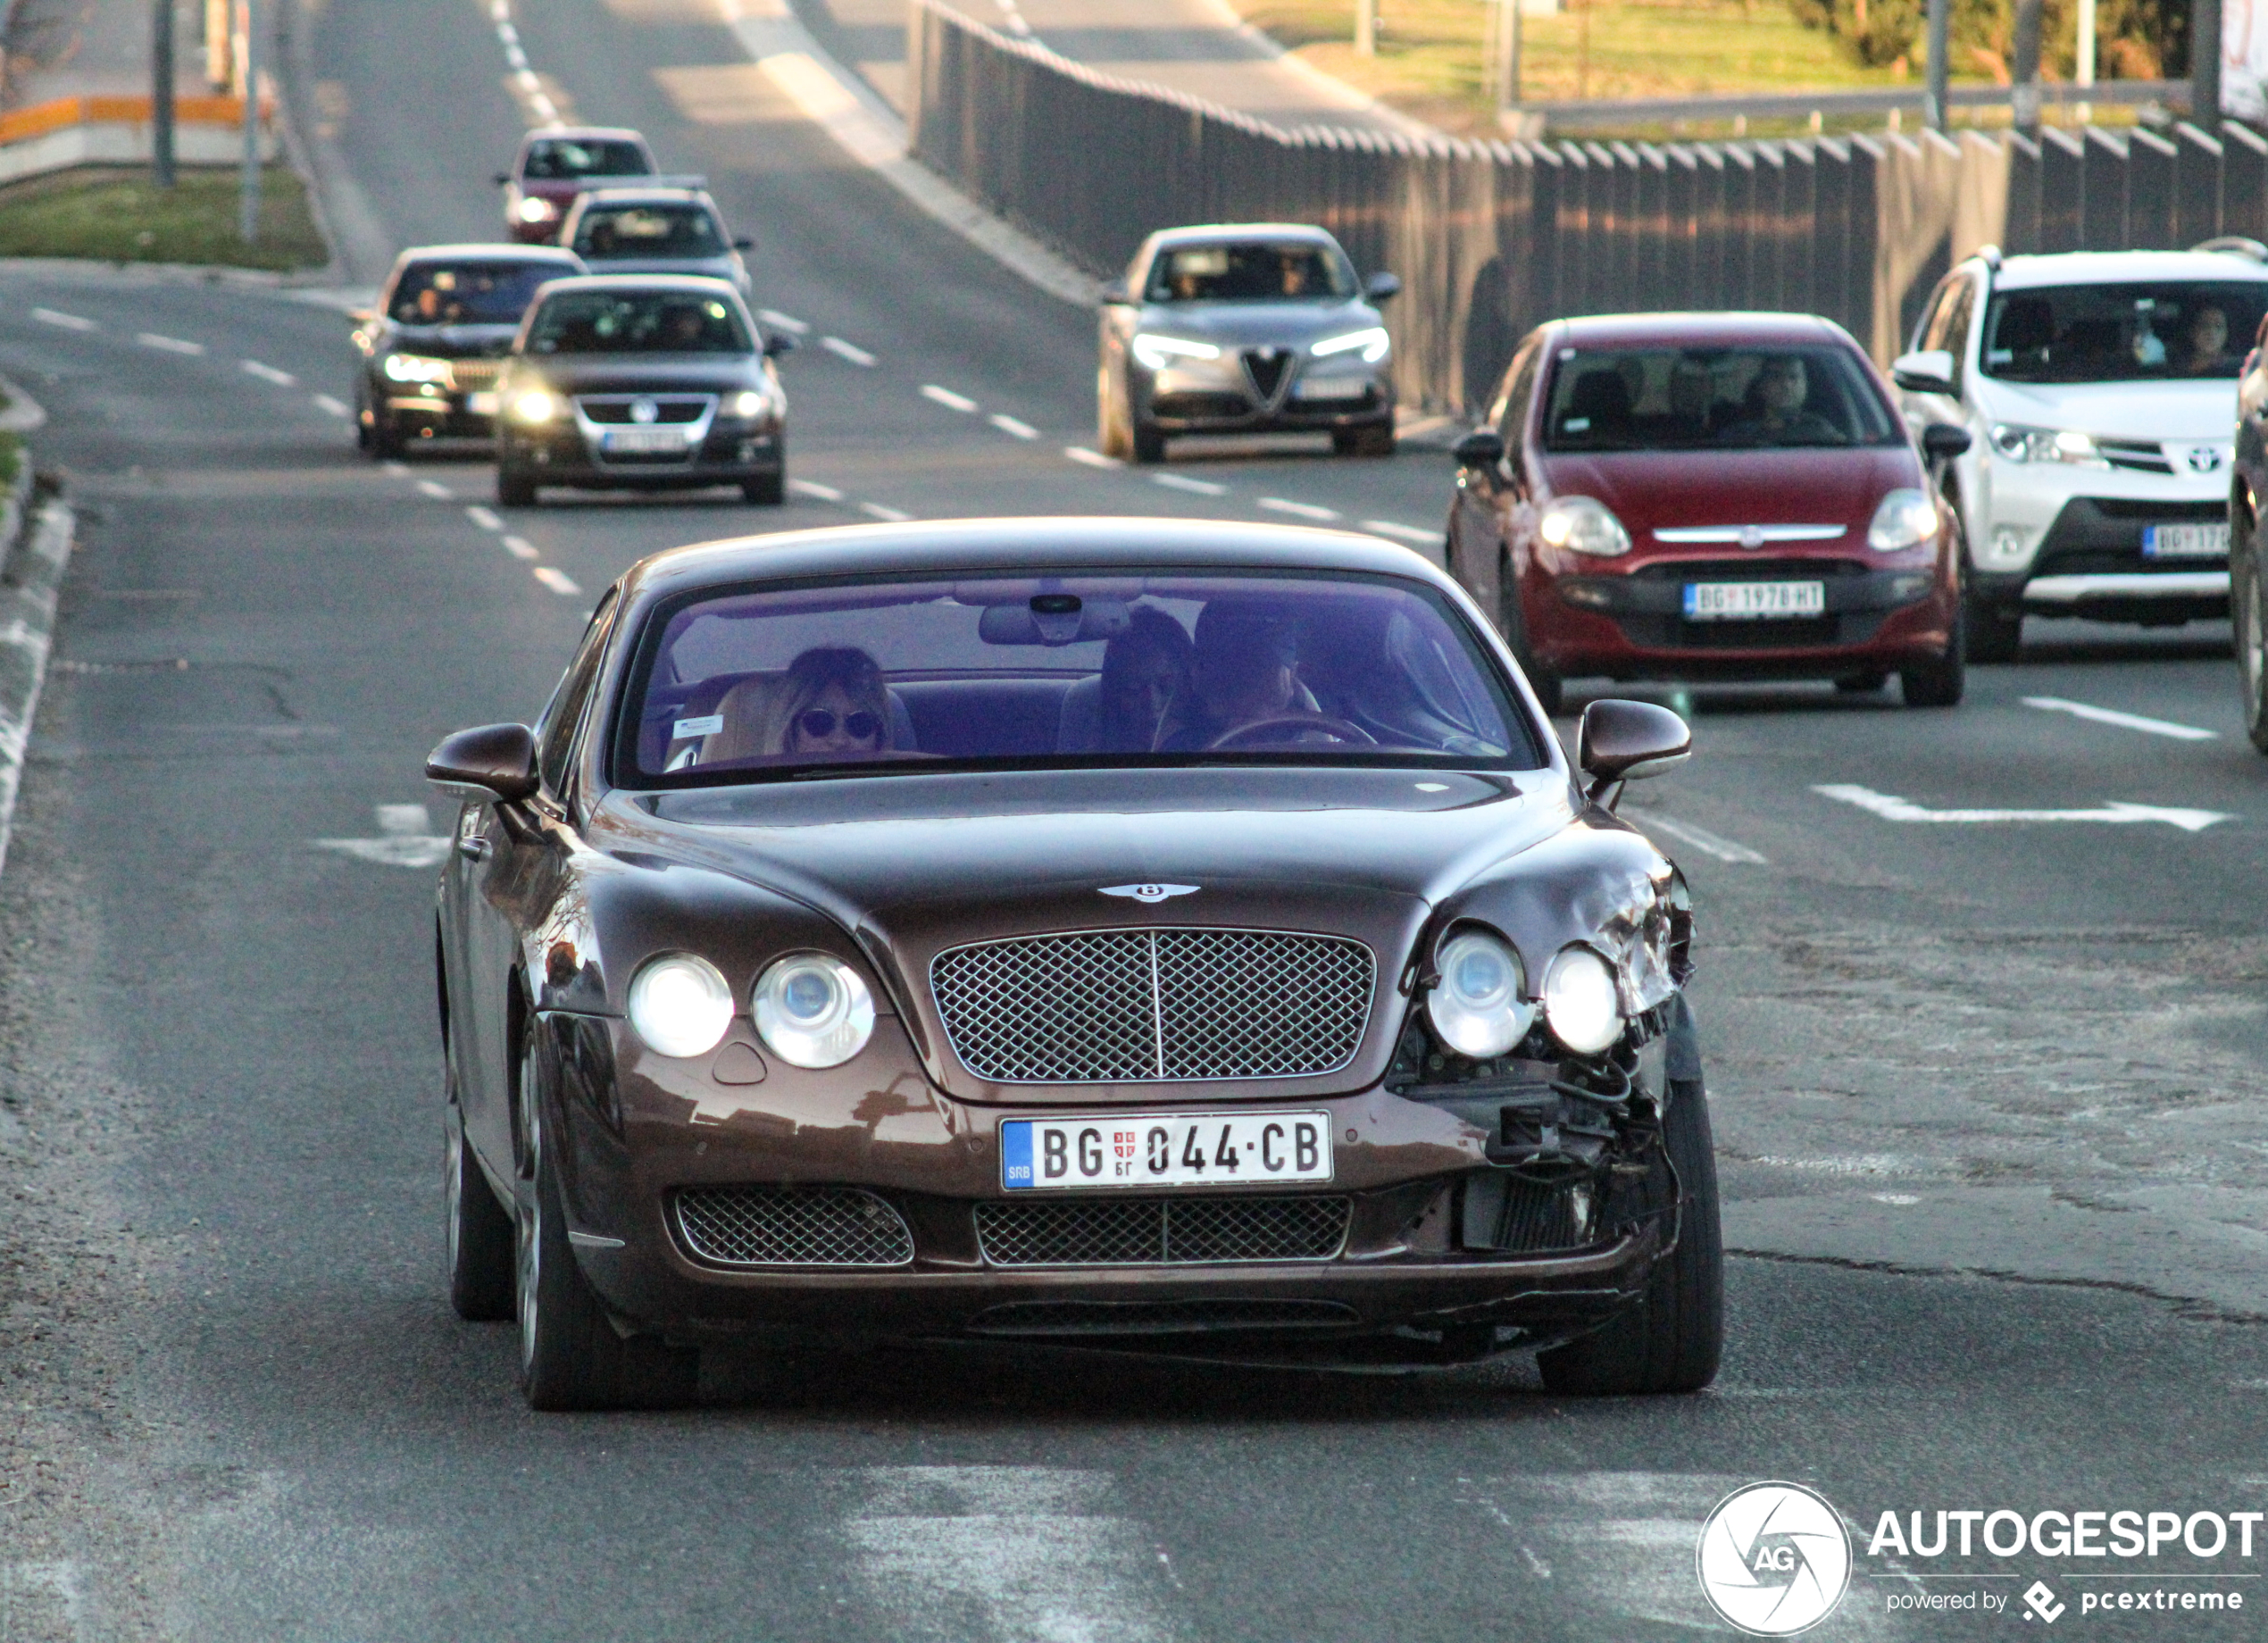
(642, 382)
(429, 352)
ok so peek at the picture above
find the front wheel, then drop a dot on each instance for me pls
(1672, 1340)
(1514, 625)
(1149, 445)
(1940, 681)
(514, 490)
(766, 491)
(2249, 604)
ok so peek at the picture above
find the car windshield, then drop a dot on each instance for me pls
(1128, 667)
(637, 322)
(2122, 333)
(1251, 272)
(469, 293)
(557, 158)
(1666, 399)
(647, 231)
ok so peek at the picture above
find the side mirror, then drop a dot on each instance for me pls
(1628, 741)
(1928, 371)
(1116, 296)
(502, 179)
(1943, 441)
(777, 342)
(1483, 447)
(743, 244)
(1378, 287)
(495, 762)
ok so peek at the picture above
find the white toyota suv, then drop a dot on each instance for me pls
(2100, 392)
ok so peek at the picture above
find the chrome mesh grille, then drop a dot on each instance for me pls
(791, 1226)
(1160, 1231)
(1140, 1006)
(469, 375)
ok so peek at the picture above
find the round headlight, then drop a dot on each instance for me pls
(814, 1010)
(1476, 1007)
(747, 404)
(680, 1005)
(535, 208)
(1581, 1004)
(535, 406)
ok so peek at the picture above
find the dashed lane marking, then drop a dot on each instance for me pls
(268, 373)
(1092, 459)
(484, 518)
(519, 547)
(69, 322)
(1891, 808)
(879, 510)
(400, 470)
(1196, 487)
(1700, 838)
(787, 322)
(1297, 510)
(169, 344)
(329, 407)
(2125, 722)
(815, 490)
(1403, 533)
(558, 581)
(850, 351)
(436, 489)
(950, 400)
(1013, 427)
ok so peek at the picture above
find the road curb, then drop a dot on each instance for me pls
(23, 416)
(30, 582)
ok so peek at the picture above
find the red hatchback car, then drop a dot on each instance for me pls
(1710, 496)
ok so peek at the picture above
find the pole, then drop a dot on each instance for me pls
(162, 93)
(2083, 69)
(1366, 28)
(2026, 99)
(1507, 57)
(1940, 18)
(2205, 62)
(248, 203)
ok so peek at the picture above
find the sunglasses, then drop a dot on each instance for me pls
(819, 723)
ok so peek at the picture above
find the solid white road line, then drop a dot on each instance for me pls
(950, 400)
(1196, 487)
(1403, 533)
(1699, 838)
(69, 322)
(558, 581)
(1011, 425)
(519, 547)
(1091, 459)
(333, 407)
(436, 489)
(787, 322)
(1891, 808)
(890, 515)
(2125, 722)
(169, 344)
(850, 351)
(268, 373)
(484, 518)
(815, 490)
(1298, 509)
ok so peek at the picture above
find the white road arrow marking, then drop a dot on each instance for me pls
(405, 839)
(1891, 808)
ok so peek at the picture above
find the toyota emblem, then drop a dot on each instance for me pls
(2203, 458)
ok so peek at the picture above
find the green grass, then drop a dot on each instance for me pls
(11, 453)
(116, 214)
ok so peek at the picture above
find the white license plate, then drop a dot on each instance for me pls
(2185, 541)
(1748, 601)
(482, 404)
(643, 441)
(1164, 1149)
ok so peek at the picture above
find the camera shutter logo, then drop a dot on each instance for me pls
(1774, 1559)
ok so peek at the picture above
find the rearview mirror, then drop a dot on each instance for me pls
(1943, 441)
(1483, 447)
(495, 762)
(777, 342)
(1378, 287)
(1628, 741)
(1926, 371)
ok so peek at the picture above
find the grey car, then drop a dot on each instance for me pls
(654, 230)
(1244, 328)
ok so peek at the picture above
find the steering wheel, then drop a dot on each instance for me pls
(1339, 729)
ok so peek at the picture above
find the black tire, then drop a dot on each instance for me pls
(480, 1230)
(1149, 445)
(1940, 681)
(1995, 633)
(1373, 441)
(1513, 626)
(766, 491)
(514, 490)
(385, 441)
(1672, 1340)
(1861, 684)
(572, 1356)
(2248, 607)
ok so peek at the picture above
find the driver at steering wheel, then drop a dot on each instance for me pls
(1246, 654)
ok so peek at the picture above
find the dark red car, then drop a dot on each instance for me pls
(1709, 496)
(556, 165)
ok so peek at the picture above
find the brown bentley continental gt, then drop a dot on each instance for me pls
(1138, 933)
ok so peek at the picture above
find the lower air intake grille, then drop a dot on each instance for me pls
(789, 1226)
(1160, 1231)
(1159, 1317)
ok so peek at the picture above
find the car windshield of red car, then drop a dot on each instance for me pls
(1743, 398)
(468, 293)
(2122, 333)
(1251, 272)
(558, 159)
(618, 232)
(636, 322)
(1129, 667)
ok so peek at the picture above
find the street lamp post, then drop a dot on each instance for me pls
(248, 193)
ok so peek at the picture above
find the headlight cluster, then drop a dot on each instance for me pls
(1158, 352)
(2046, 444)
(747, 404)
(1581, 525)
(534, 406)
(415, 368)
(1904, 519)
(535, 208)
(1477, 1007)
(810, 1010)
(1373, 340)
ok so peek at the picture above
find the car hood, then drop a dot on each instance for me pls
(1647, 490)
(1251, 324)
(453, 341)
(656, 373)
(2150, 411)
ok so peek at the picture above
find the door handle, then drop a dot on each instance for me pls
(476, 848)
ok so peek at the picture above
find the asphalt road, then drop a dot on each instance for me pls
(233, 1404)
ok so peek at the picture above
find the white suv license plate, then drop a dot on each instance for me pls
(1749, 601)
(645, 441)
(1164, 1149)
(2185, 541)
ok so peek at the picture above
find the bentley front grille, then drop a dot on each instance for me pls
(1143, 1005)
(791, 1226)
(1160, 1231)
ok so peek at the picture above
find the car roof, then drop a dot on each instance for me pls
(698, 284)
(2122, 267)
(584, 134)
(1199, 233)
(991, 545)
(1696, 330)
(489, 251)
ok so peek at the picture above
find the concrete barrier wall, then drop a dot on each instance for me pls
(1492, 238)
